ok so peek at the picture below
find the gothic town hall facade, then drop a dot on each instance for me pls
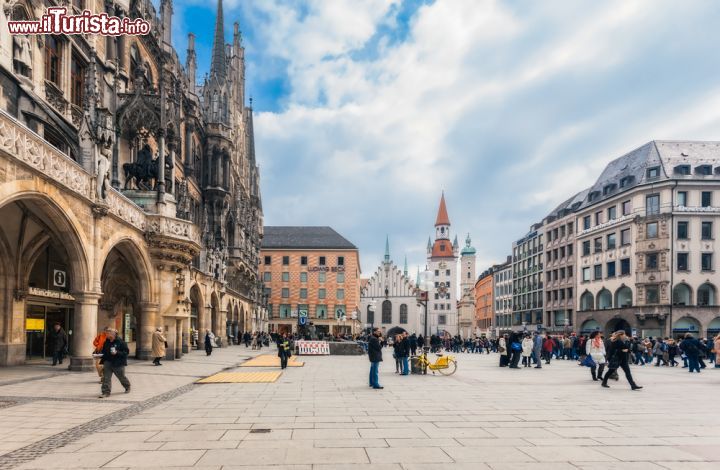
(129, 193)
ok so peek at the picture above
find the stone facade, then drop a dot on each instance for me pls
(442, 258)
(466, 305)
(128, 200)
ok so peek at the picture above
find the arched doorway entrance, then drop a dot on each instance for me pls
(589, 326)
(43, 277)
(617, 324)
(686, 325)
(124, 304)
(713, 328)
(237, 327)
(197, 316)
(229, 332)
(215, 314)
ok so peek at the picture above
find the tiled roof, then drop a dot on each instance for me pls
(442, 216)
(312, 238)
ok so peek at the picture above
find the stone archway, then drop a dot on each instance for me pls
(215, 314)
(685, 325)
(197, 315)
(44, 264)
(617, 324)
(237, 324)
(125, 303)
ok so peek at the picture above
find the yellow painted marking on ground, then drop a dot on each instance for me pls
(241, 377)
(268, 360)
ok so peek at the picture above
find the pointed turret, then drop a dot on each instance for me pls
(442, 215)
(405, 270)
(387, 249)
(417, 279)
(218, 65)
(429, 245)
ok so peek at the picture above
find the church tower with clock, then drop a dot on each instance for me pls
(442, 263)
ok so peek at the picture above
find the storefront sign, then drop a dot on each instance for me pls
(313, 348)
(58, 278)
(53, 294)
(336, 269)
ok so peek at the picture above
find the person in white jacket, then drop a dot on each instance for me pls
(527, 347)
(595, 348)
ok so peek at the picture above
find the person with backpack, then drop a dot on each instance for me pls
(659, 351)
(692, 349)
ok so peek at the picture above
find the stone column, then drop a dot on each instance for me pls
(148, 316)
(84, 330)
(185, 332)
(178, 338)
(170, 336)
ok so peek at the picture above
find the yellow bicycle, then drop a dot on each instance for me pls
(446, 365)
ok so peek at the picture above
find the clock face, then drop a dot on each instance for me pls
(443, 265)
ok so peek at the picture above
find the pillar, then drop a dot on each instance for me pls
(177, 344)
(84, 330)
(149, 312)
(185, 332)
(170, 329)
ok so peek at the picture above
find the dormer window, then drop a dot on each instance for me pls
(626, 181)
(608, 189)
(704, 170)
(593, 195)
(682, 170)
(653, 173)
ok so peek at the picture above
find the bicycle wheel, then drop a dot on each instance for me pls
(451, 368)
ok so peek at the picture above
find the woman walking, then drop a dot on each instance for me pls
(595, 348)
(158, 346)
(618, 359)
(503, 350)
(527, 348)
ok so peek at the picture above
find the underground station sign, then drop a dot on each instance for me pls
(312, 348)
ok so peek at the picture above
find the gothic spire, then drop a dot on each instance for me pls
(405, 271)
(218, 66)
(442, 216)
(387, 249)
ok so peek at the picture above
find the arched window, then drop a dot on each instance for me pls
(706, 295)
(682, 294)
(387, 312)
(604, 299)
(587, 301)
(370, 316)
(403, 314)
(623, 297)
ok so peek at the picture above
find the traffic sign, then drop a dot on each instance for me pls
(302, 321)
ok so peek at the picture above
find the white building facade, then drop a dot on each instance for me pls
(442, 262)
(466, 306)
(388, 299)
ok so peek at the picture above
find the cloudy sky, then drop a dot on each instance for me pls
(365, 110)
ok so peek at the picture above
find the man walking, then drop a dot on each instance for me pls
(537, 349)
(58, 343)
(375, 356)
(114, 360)
(405, 353)
(158, 346)
(284, 350)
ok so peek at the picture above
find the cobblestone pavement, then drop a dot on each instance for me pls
(323, 416)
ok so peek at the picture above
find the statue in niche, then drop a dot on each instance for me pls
(22, 54)
(143, 171)
(103, 171)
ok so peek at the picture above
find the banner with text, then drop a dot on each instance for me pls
(312, 348)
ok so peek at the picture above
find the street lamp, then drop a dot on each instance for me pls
(426, 283)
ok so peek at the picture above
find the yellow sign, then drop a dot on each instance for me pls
(35, 324)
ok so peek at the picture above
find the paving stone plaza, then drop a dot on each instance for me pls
(324, 416)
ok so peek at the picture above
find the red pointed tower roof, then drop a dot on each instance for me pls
(442, 216)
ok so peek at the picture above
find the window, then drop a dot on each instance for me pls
(682, 262)
(403, 314)
(611, 269)
(442, 320)
(652, 294)
(612, 213)
(286, 277)
(682, 198)
(627, 207)
(682, 169)
(706, 198)
(651, 261)
(341, 294)
(303, 277)
(569, 250)
(321, 277)
(268, 260)
(442, 247)
(653, 173)
(321, 313)
(268, 292)
(267, 277)
(370, 316)
(682, 230)
(53, 59)
(447, 272)
(626, 181)
(651, 230)
(321, 293)
(303, 293)
(387, 312)
(286, 260)
(270, 310)
(285, 311)
(437, 272)
(340, 278)
(625, 236)
(322, 261)
(611, 241)
(652, 204)
(597, 274)
(341, 261)
(303, 260)
(706, 230)
(706, 261)
(586, 274)
(586, 222)
(285, 293)
(77, 78)
(597, 245)
(339, 311)
(625, 267)
(598, 218)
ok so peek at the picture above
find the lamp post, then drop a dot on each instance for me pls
(423, 298)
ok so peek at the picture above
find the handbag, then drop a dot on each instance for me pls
(588, 361)
(501, 349)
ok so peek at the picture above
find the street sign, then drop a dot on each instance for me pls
(302, 321)
(58, 278)
(303, 313)
(538, 327)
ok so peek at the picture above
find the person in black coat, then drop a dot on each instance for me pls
(692, 349)
(413, 344)
(512, 344)
(405, 353)
(618, 353)
(375, 356)
(114, 359)
(284, 347)
(208, 343)
(58, 343)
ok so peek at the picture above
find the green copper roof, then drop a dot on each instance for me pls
(468, 250)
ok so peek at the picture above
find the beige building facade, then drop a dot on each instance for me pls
(129, 195)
